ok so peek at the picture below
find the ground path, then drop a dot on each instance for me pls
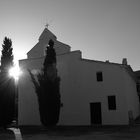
(77, 133)
(17, 133)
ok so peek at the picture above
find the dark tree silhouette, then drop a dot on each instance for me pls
(47, 87)
(6, 84)
(7, 55)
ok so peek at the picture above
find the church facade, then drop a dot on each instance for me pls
(92, 92)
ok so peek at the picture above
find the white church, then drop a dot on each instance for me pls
(92, 92)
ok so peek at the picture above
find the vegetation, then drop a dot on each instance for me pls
(47, 87)
(7, 55)
(6, 84)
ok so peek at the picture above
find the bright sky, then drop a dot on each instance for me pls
(101, 29)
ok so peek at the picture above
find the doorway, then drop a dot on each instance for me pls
(95, 113)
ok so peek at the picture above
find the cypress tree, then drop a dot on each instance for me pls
(7, 55)
(47, 87)
(7, 104)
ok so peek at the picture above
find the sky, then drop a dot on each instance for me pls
(101, 29)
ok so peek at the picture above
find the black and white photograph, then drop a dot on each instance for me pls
(70, 69)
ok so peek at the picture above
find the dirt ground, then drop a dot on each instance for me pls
(75, 133)
(82, 133)
(6, 134)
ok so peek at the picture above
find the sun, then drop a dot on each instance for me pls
(15, 72)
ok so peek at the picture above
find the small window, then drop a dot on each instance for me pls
(111, 102)
(138, 87)
(99, 76)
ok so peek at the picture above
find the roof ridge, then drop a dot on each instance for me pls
(46, 31)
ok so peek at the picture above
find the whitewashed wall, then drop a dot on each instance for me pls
(78, 89)
(131, 96)
(84, 89)
(28, 111)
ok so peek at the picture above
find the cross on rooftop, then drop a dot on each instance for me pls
(47, 25)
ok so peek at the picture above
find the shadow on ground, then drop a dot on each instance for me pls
(6, 134)
(81, 132)
(69, 131)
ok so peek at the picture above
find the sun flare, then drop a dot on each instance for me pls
(15, 72)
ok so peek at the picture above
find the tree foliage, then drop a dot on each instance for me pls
(47, 87)
(7, 54)
(6, 84)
